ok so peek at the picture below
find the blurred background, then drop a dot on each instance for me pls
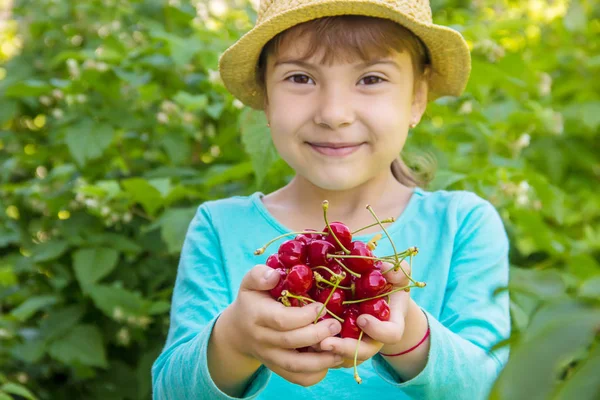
(115, 126)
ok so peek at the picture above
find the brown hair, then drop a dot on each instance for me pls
(348, 37)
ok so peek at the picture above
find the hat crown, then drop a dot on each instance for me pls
(419, 10)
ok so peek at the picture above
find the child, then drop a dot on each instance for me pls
(340, 83)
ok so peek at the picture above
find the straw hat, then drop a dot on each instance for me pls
(448, 51)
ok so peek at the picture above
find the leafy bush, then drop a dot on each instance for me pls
(114, 126)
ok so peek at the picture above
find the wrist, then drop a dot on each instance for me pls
(227, 335)
(415, 330)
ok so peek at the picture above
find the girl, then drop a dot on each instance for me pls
(340, 83)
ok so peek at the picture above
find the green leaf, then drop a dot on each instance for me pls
(576, 19)
(257, 142)
(19, 390)
(141, 191)
(87, 141)
(159, 307)
(534, 363)
(30, 87)
(584, 383)
(48, 251)
(8, 110)
(108, 298)
(91, 265)
(30, 351)
(7, 276)
(542, 284)
(83, 344)
(191, 102)
(32, 305)
(4, 396)
(60, 321)
(591, 288)
(444, 179)
(116, 241)
(174, 224)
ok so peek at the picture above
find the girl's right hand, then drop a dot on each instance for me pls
(262, 328)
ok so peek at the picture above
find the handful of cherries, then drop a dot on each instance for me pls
(329, 267)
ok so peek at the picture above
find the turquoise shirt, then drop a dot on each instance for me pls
(463, 258)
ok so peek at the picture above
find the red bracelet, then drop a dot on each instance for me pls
(411, 349)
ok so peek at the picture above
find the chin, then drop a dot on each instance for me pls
(335, 182)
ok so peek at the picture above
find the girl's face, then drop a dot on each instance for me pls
(340, 126)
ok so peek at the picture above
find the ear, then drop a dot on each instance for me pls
(419, 103)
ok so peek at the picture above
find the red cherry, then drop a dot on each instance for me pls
(276, 291)
(342, 232)
(299, 279)
(378, 308)
(273, 261)
(335, 302)
(378, 265)
(292, 252)
(349, 327)
(370, 284)
(318, 251)
(359, 265)
(308, 237)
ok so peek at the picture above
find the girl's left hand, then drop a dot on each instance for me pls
(376, 333)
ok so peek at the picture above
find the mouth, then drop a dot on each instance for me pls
(335, 149)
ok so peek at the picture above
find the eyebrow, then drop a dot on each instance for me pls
(306, 65)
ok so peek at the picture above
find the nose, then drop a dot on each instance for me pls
(335, 109)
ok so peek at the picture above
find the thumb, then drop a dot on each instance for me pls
(261, 277)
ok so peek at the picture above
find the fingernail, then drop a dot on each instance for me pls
(268, 274)
(339, 359)
(362, 322)
(335, 328)
(327, 347)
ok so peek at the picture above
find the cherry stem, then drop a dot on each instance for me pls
(353, 256)
(385, 221)
(419, 284)
(260, 251)
(319, 278)
(356, 377)
(411, 250)
(347, 269)
(337, 282)
(394, 268)
(302, 298)
(384, 230)
(325, 268)
(325, 207)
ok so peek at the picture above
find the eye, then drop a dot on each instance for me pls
(303, 80)
(372, 79)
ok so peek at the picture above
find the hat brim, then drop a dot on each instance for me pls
(449, 53)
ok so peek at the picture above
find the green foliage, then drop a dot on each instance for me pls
(114, 126)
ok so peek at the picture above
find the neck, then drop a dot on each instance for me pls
(347, 204)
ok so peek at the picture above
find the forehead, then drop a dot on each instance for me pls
(303, 50)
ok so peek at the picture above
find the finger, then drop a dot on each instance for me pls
(295, 362)
(397, 277)
(349, 363)
(308, 335)
(282, 318)
(346, 347)
(388, 332)
(261, 277)
(302, 379)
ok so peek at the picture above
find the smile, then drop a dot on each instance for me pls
(337, 151)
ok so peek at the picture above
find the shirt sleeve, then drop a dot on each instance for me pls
(201, 293)
(461, 364)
